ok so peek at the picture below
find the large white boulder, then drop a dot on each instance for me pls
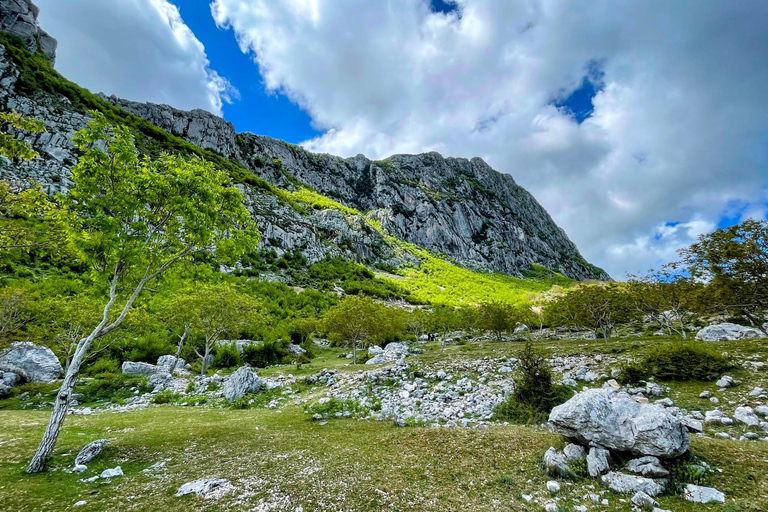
(31, 362)
(202, 487)
(240, 383)
(391, 352)
(614, 420)
(728, 332)
(168, 361)
(143, 369)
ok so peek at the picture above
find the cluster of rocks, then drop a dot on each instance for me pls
(26, 362)
(606, 426)
(391, 352)
(728, 332)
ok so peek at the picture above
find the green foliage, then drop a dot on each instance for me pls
(335, 408)
(579, 467)
(166, 397)
(102, 366)
(497, 317)
(632, 373)
(17, 149)
(111, 387)
(227, 356)
(535, 394)
(596, 307)
(684, 361)
(264, 354)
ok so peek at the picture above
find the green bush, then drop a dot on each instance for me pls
(103, 366)
(535, 394)
(227, 356)
(166, 397)
(265, 354)
(632, 373)
(685, 361)
(110, 386)
(579, 467)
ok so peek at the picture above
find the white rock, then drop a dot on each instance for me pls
(700, 494)
(81, 503)
(553, 486)
(575, 452)
(201, 487)
(240, 383)
(728, 332)
(629, 484)
(112, 473)
(31, 362)
(79, 468)
(598, 461)
(90, 451)
(746, 416)
(642, 500)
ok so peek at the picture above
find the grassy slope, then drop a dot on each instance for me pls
(281, 457)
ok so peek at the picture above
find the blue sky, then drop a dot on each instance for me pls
(637, 125)
(256, 110)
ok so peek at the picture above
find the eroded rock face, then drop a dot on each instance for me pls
(19, 17)
(240, 383)
(31, 362)
(90, 452)
(728, 332)
(614, 420)
(629, 484)
(143, 369)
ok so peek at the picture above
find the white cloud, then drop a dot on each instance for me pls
(137, 49)
(678, 132)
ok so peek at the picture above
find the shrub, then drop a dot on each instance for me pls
(110, 386)
(632, 373)
(227, 356)
(264, 354)
(535, 395)
(684, 361)
(579, 467)
(165, 397)
(103, 366)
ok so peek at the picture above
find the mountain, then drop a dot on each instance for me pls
(317, 204)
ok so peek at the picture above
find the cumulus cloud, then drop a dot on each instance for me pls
(678, 130)
(137, 49)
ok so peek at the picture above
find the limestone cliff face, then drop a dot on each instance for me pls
(19, 17)
(461, 208)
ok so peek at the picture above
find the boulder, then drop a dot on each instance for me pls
(598, 461)
(642, 500)
(728, 332)
(647, 466)
(240, 383)
(142, 369)
(391, 352)
(616, 421)
(31, 362)
(629, 484)
(701, 494)
(296, 350)
(112, 473)
(169, 360)
(575, 452)
(556, 464)
(375, 350)
(202, 487)
(90, 452)
(746, 416)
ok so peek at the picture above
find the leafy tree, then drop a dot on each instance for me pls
(417, 322)
(667, 297)
(497, 317)
(443, 320)
(594, 306)
(13, 311)
(212, 311)
(734, 262)
(131, 220)
(303, 329)
(356, 320)
(12, 148)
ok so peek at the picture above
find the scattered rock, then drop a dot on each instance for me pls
(629, 484)
(642, 500)
(79, 468)
(647, 466)
(240, 383)
(169, 361)
(296, 350)
(81, 503)
(705, 394)
(31, 362)
(202, 487)
(392, 352)
(726, 381)
(757, 391)
(700, 494)
(746, 416)
(112, 473)
(598, 461)
(575, 452)
(90, 451)
(553, 486)
(728, 332)
(616, 421)
(139, 368)
(556, 464)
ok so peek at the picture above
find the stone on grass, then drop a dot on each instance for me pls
(90, 451)
(701, 494)
(575, 452)
(629, 484)
(201, 487)
(553, 486)
(762, 410)
(79, 468)
(728, 332)
(170, 360)
(392, 352)
(556, 464)
(642, 500)
(598, 461)
(647, 466)
(81, 503)
(614, 420)
(746, 416)
(112, 473)
(31, 362)
(757, 391)
(240, 383)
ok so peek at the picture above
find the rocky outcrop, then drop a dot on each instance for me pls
(141, 369)
(240, 383)
(90, 451)
(31, 362)
(19, 17)
(616, 421)
(728, 332)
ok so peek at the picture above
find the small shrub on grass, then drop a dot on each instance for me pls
(579, 467)
(535, 394)
(166, 397)
(685, 361)
(104, 365)
(632, 373)
(265, 354)
(227, 356)
(303, 359)
(332, 407)
(506, 480)
(112, 387)
(191, 387)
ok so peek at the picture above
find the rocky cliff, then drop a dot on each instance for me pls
(19, 17)
(462, 208)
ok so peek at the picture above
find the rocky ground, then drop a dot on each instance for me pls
(413, 433)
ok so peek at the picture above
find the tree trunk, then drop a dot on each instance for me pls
(178, 349)
(354, 352)
(61, 405)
